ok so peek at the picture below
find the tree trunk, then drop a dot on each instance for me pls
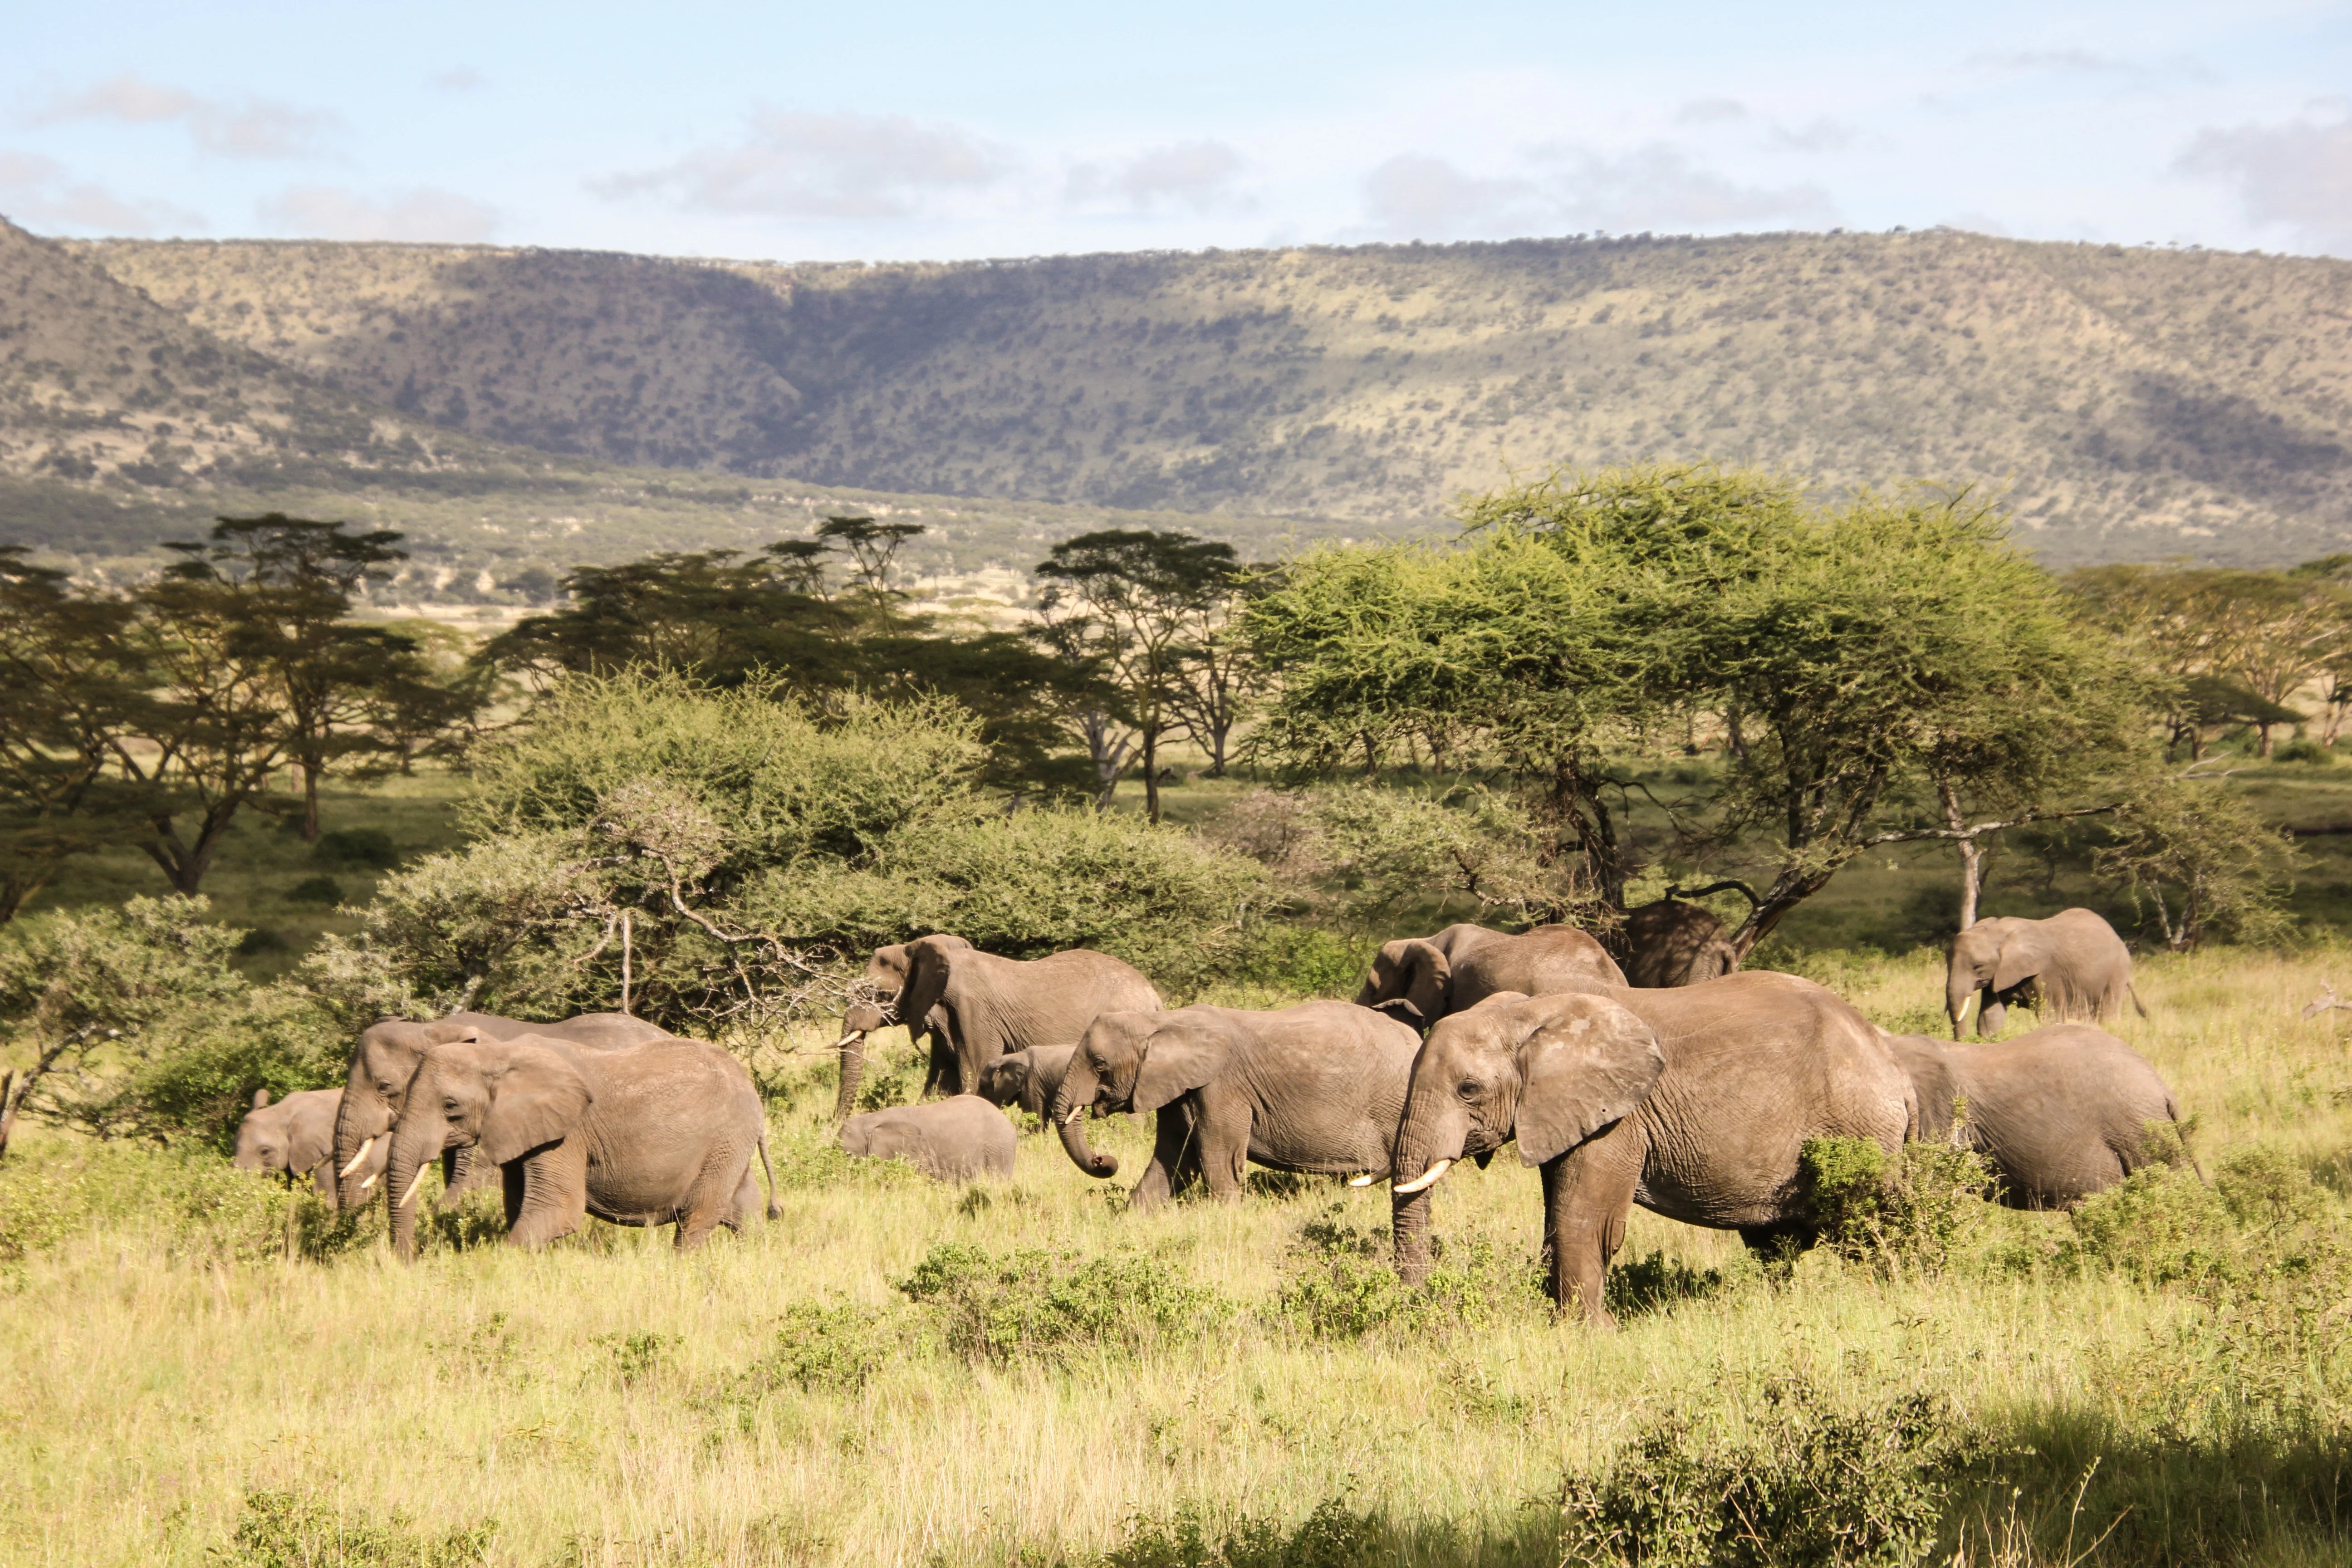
(1151, 773)
(2263, 732)
(10, 1098)
(1971, 854)
(310, 770)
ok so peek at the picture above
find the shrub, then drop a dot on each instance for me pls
(2305, 752)
(836, 1349)
(1333, 1536)
(323, 890)
(1031, 1303)
(282, 1530)
(1806, 1485)
(1341, 1286)
(369, 847)
(2160, 1224)
(1912, 1211)
(1305, 961)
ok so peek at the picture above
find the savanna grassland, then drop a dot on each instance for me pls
(899, 1372)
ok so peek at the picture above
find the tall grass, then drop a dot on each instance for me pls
(175, 1389)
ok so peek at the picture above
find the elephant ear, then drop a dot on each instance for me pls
(1178, 1058)
(1587, 1063)
(536, 1097)
(445, 1032)
(886, 970)
(1428, 977)
(260, 1098)
(2026, 953)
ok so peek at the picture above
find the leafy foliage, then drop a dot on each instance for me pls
(1035, 1304)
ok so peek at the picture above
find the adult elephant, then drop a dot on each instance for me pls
(1673, 944)
(297, 1135)
(2071, 967)
(976, 1006)
(2059, 1113)
(957, 1139)
(654, 1133)
(1314, 1088)
(1464, 965)
(1694, 1103)
(384, 1058)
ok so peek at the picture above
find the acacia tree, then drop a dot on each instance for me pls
(1127, 598)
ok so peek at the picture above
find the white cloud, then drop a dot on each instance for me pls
(37, 192)
(457, 79)
(798, 164)
(1416, 197)
(424, 214)
(1820, 136)
(2297, 175)
(1196, 174)
(1653, 188)
(253, 128)
(1710, 111)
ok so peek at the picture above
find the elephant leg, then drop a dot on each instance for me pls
(1991, 1017)
(1175, 1165)
(1588, 1192)
(1221, 1140)
(554, 1201)
(715, 1200)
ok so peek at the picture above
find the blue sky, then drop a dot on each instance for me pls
(842, 132)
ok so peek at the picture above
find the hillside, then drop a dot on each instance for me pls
(124, 422)
(2138, 403)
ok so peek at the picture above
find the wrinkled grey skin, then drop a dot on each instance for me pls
(297, 1135)
(654, 1134)
(1464, 965)
(2072, 967)
(1692, 1102)
(955, 1140)
(384, 1058)
(2059, 1113)
(1028, 1079)
(1314, 1088)
(1673, 944)
(976, 1006)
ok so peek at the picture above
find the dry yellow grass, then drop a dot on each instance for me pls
(147, 1387)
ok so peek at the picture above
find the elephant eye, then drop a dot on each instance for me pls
(1467, 1089)
(451, 1106)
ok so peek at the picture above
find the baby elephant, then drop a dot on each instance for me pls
(297, 1135)
(953, 1140)
(1028, 1079)
(2059, 1113)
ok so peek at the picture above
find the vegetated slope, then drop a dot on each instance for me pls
(124, 422)
(2137, 403)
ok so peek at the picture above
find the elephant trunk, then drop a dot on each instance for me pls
(416, 1140)
(360, 1118)
(1071, 1103)
(1957, 992)
(1429, 1139)
(853, 1073)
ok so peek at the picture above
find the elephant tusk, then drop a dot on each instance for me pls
(364, 1146)
(1423, 1181)
(415, 1183)
(853, 1035)
(367, 1180)
(1074, 1116)
(1366, 1180)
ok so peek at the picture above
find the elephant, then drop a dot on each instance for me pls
(953, 1140)
(1692, 1101)
(384, 1058)
(652, 1133)
(297, 1135)
(2059, 1113)
(1028, 1078)
(1463, 964)
(976, 1006)
(1314, 1088)
(2071, 967)
(1673, 944)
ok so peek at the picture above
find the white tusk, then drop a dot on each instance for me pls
(367, 1180)
(1423, 1181)
(1073, 1115)
(366, 1145)
(853, 1035)
(416, 1182)
(1366, 1180)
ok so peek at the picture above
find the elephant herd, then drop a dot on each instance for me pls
(1693, 1099)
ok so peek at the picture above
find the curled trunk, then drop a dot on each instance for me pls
(1069, 1113)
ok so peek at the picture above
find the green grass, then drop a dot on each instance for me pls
(172, 1390)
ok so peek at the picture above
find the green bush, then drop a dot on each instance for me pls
(324, 891)
(368, 847)
(1340, 1284)
(2160, 1224)
(1804, 1485)
(1035, 1304)
(1305, 961)
(835, 1349)
(1910, 1211)
(282, 1530)
(2305, 752)
(1333, 1536)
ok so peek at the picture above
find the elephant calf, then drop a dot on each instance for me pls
(1673, 944)
(2059, 1113)
(1028, 1079)
(1314, 1088)
(953, 1140)
(297, 1135)
(2072, 966)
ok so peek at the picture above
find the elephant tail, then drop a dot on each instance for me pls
(2180, 1126)
(2137, 1005)
(775, 1209)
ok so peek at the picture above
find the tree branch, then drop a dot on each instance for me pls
(1966, 835)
